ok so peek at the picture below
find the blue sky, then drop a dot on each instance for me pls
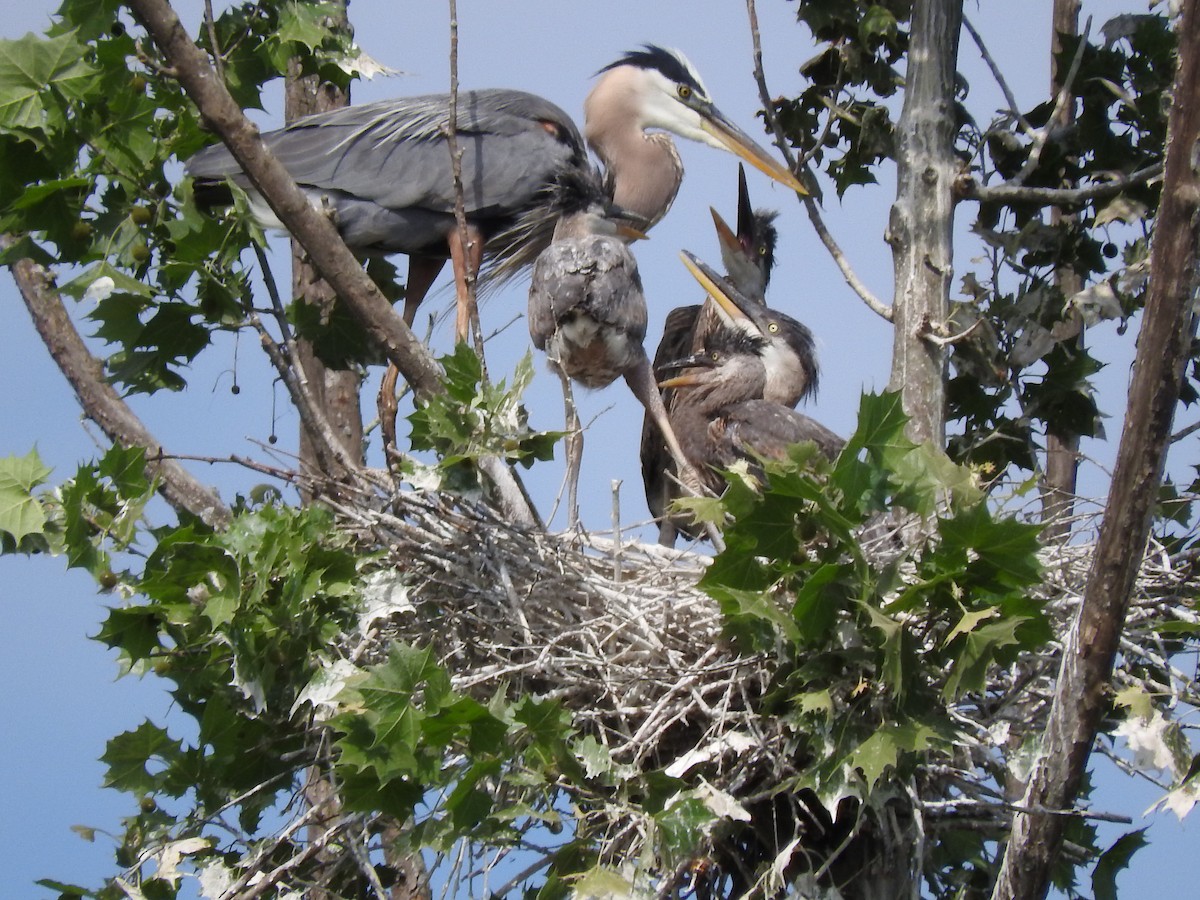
(63, 701)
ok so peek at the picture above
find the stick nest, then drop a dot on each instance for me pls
(619, 633)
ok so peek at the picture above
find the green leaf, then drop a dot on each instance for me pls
(21, 514)
(882, 750)
(600, 884)
(1113, 860)
(128, 754)
(1136, 700)
(29, 66)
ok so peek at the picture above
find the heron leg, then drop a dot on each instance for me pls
(466, 258)
(640, 378)
(574, 449)
(422, 271)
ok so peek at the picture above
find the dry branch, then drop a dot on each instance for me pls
(100, 402)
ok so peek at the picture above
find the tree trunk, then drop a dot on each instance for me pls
(1062, 447)
(1081, 697)
(920, 226)
(335, 390)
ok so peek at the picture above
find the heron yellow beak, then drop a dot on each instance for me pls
(725, 234)
(736, 141)
(629, 233)
(714, 288)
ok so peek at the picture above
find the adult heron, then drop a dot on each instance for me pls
(384, 169)
(587, 311)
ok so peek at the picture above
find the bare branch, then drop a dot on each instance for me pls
(100, 402)
(969, 189)
(1042, 135)
(810, 205)
(336, 264)
(460, 211)
(1009, 96)
(1081, 698)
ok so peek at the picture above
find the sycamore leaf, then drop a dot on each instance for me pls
(30, 65)
(128, 754)
(601, 884)
(883, 749)
(1113, 860)
(1136, 700)
(20, 512)
(968, 622)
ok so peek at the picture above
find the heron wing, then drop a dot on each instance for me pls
(763, 428)
(394, 152)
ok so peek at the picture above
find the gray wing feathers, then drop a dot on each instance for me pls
(765, 428)
(394, 152)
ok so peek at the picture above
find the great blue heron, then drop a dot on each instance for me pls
(588, 313)
(720, 416)
(384, 169)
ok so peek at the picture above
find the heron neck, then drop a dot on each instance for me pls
(644, 167)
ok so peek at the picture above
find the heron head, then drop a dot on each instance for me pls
(748, 253)
(664, 90)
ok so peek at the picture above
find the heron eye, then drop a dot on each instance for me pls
(773, 328)
(762, 251)
(684, 92)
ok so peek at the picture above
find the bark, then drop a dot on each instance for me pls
(336, 390)
(920, 226)
(1081, 698)
(336, 264)
(100, 402)
(1062, 447)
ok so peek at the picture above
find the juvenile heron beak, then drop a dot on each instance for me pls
(691, 374)
(735, 308)
(725, 235)
(629, 233)
(728, 135)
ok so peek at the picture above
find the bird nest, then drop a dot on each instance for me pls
(619, 633)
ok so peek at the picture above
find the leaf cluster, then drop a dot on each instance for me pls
(1027, 371)
(476, 418)
(875, 648)
(92, 129)
(841, 121)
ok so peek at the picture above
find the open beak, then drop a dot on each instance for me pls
(692, 374)
(732, 306)
(732, 138)
(745, 222)
(729, 240)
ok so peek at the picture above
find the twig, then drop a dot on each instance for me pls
(215, 48)
(460, 212)
(1009, 96)
(1042, 135)
(810, 205)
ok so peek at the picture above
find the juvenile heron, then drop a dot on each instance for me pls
(720, 416)
(588, 313)
(788, 354)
